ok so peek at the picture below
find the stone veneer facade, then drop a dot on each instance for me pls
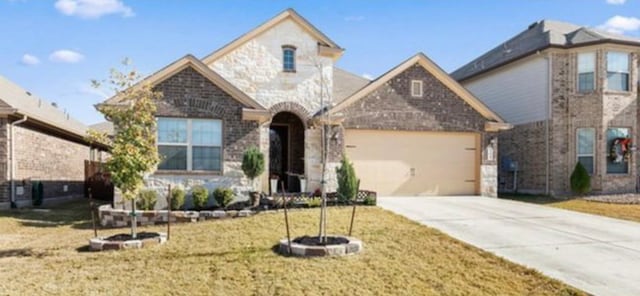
(570, 110)
(391, 107)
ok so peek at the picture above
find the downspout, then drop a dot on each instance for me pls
(547, 125)
(12, 163)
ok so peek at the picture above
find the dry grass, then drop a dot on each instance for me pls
(45, 254)
(619, 211)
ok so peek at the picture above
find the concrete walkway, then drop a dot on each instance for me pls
(597, 254)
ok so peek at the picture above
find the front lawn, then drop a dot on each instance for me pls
(45, 253)
(618, 211)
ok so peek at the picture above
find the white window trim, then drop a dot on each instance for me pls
(628, 72)
(190, 145)
(419, 94)
(593, 153)
(595, 60)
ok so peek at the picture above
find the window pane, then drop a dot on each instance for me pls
(586, 139)
(586, 62)
(617, 162)
(206, 132)
(618, 81)
(288, 59)
(585, 82)
(617, 62)
(173, 157)
(206, 158)
(587, 162)
(172, 130)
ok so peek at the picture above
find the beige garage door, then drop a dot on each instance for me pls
(401, 163)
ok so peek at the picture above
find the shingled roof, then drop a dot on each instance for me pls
(539, 36)
(16, 100)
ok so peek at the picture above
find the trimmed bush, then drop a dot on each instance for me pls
(580, 180)
(347, 181)
(252, 163)
(223, 196)
(314, 202)
(370, 200)
(177, 198)
(200, 196)
(147, 199)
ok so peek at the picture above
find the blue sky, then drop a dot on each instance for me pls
(54, 48)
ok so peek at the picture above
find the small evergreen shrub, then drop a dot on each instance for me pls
(580, 180)
(223, 196)
(147, 199)
(177, 198)
(370, 200)
(253, 163)
(347, 181)
(200, 196)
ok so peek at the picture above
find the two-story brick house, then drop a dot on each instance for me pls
(571, 93)
(272, 87)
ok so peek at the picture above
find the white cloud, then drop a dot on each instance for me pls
(620, 24)
(367, 76)
(616, 2)
(354, 18)
(92, 9)
(29, 60)
(66, 56)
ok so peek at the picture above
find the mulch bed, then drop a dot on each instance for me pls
(314, 241)
(126, 237)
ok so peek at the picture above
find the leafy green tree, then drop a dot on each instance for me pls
(347, 180)
(580, 180)
(133, 150)
(253, 164)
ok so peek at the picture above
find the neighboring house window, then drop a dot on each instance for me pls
(416, 88)
(586, 138)
(289, 58)
(189, 144)
(586, 71)
(618, 150)
(618, 71)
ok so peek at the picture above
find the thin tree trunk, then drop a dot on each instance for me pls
(134, 219)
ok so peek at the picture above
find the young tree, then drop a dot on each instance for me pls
(133, 151)
(253, 166)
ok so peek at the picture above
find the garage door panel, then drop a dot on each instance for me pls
(414, 163)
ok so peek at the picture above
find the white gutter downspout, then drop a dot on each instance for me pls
(547, 125)
(12, 163)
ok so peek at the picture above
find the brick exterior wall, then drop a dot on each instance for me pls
(5, 193)
(391, 107)
(189, 94)
(570, 110)
(601, 110)
(43, 157)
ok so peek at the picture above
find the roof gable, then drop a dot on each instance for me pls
(287, 14)
(434, 70)
(198, 66)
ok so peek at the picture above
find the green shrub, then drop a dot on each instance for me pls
(147, 199)
(223, 196)
(252, 163)
(370, 200)
(200, 196)
(314, 202)
(347, 181)
(177, 198)
(580, 180)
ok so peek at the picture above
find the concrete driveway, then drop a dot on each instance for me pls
(597, 254)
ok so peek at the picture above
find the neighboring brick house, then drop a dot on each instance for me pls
(270, 88)
(39, 143)
(572, 94)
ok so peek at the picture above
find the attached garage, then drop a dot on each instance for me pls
(414, 131)
(412, 163)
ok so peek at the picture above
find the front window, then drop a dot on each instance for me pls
(618, 150)
(586, 71)
(189, 144)
(416, 88)
(618, 71)
(586, 138)
(289, 58)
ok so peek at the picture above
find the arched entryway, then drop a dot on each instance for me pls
(286, 150)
